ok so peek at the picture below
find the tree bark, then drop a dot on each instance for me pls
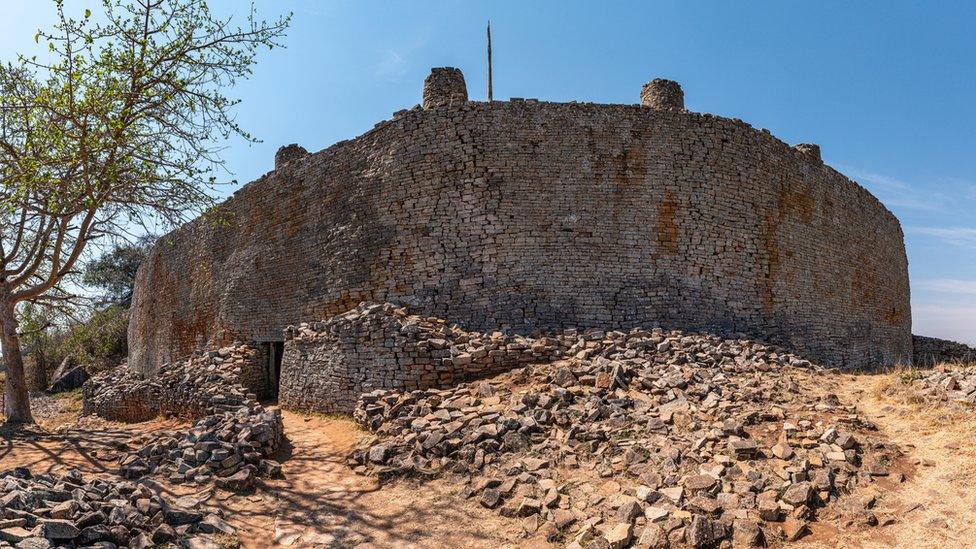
(16, 403)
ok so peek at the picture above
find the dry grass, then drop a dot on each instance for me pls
(936, 507)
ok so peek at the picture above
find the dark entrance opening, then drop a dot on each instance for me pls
(274, 350)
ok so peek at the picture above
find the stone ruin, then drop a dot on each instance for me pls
(232, 440)
(930, 351)
(646, 437)
(525, 216)
(67, 510)
(511, 289)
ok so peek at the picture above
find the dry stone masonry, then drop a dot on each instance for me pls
(930, 351)
(205, 384)
(663, 94)
(328, 365)
(520, 216)
(645, 438)
(231, 442)
(444, 87)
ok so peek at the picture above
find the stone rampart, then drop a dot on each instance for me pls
(525, 215)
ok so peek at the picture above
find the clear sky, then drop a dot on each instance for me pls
(887, 88)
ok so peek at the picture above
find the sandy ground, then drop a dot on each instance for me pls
(322, 503)
(319, 503)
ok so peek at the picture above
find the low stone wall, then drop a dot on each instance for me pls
(929, 351)
(327, 365)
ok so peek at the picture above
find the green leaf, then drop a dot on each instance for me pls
(87, 13)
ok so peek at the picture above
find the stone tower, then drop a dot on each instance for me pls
(444, 87)
(663, 94)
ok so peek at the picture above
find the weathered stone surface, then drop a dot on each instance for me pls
(327, 365)
(67, 380)
(948, 383)
(67, 510)
(929, 351)
(663, 94)
(676, 419)
(513, 215)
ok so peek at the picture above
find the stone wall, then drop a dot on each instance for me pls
(526, 215)
(929, 351)
(327, 365)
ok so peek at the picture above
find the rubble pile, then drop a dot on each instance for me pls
(945, 384)
(231, 442)
(646, 437)
(207, 383)
(230, 448)
(69, 511)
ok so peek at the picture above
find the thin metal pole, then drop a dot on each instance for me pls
(489, 61)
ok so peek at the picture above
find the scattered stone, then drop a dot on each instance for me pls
(234, 432)
(620, 535)
(69, 511)
(678, 421)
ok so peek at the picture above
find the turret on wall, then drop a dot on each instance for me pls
(663, 94)
(444, 87)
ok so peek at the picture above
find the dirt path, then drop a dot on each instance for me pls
(319, 503)
(936, 505)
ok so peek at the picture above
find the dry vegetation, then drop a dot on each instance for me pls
(936, 506)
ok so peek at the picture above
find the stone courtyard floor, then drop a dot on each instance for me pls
(322, 503)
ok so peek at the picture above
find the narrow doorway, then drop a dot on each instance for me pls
(275, 350)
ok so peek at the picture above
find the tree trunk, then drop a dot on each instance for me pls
(16, 403)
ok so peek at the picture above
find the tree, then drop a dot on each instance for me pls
(39, 337)
(119, 125)
(115, 272)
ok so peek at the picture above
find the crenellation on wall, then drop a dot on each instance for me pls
(810, 149)
(521, 216)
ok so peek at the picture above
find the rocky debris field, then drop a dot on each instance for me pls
(44, 511)
(230, 444)
(646, 438)
(205, 384)
(946, 383)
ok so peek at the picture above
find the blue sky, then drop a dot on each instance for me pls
(888, 89)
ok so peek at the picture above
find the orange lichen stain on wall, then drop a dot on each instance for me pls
(666, 226)
(799, 202)
(864, 283)
(895, 316)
